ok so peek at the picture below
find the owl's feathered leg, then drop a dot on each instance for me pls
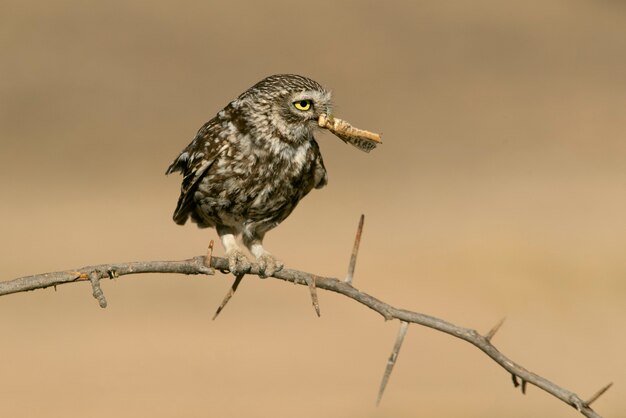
(238, 263)
(268, 264)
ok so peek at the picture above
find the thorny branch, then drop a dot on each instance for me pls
(198, 265)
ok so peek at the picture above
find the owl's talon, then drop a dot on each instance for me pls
(238, 263)
(268, 265)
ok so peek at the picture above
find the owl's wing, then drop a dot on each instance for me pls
(320, 176)
(193, 163)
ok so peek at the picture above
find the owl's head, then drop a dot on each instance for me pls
(291, 104)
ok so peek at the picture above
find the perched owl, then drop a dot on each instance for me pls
(249, 166)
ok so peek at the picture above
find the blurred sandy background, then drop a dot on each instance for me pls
(500, 191)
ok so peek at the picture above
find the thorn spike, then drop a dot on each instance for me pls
(355, 250)
(515, 382)
(229, 295)
(598, 394)
(404, 326)
(495, 329)
(313, 292)
(209, 255)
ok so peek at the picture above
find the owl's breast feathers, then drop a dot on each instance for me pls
(233, 172)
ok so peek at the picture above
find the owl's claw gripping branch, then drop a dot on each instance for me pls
(238, 263)
(360, 138)
(268, 265)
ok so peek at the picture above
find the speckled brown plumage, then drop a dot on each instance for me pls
(249, 166)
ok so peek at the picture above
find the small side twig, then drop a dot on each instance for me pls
(94, 278)
(404, 326)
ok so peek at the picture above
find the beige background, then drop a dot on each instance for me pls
(500, 191)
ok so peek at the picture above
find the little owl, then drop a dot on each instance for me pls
(249, 166)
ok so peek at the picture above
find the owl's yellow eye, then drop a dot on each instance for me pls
(303, 105)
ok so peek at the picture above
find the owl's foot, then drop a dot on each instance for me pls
(238, 263)
(268, 265)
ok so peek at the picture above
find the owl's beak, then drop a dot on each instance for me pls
(361, 139)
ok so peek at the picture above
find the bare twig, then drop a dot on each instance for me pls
(355, 250)
(196, 265)
(404, 326)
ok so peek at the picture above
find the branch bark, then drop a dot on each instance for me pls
(197, 265)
